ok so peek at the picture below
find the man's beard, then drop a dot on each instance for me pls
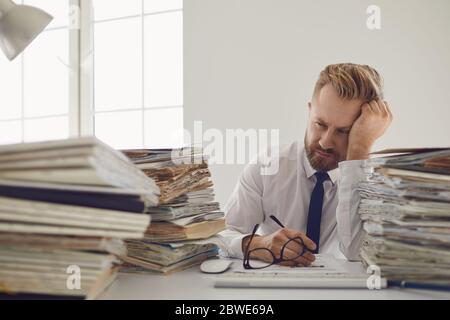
(318, 162)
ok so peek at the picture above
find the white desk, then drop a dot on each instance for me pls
(192, 284)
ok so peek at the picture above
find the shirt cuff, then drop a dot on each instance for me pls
(350, 167)
(236, 246)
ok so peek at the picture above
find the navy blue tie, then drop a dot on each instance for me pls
(315, 209)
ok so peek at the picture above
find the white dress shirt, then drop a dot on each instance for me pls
(286, 194)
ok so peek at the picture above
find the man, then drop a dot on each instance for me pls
(313, 193)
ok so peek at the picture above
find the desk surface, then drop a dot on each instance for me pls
(192, 284)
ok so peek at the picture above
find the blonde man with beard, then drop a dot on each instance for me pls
(310, 204)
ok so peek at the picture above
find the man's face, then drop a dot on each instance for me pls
(329, 123)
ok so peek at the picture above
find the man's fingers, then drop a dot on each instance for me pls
(366, 108)
(375, 107)
(299, 260)
(302, 261)
(288, 263)
(371, 108)
(296, 246)
(290, 255)
(387, 115)
(383, 108)
(388, 109)
(309, 256)
(307, 241)
(379, 107)
(387, 112)
(293, 264)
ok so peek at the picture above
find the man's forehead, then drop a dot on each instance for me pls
(330, 108)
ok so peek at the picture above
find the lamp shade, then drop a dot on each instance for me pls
(19, 25)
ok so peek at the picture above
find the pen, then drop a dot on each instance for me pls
(418, 285)
(305, 248)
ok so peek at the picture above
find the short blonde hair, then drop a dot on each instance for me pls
(351, 81)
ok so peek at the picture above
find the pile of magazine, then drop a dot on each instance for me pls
(405, 209)
(66, 208)
(187, 218)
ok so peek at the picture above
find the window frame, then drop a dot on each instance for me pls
(85, 62)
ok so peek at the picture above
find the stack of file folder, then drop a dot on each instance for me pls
(187, 218)
(405, 209)
(66, 208)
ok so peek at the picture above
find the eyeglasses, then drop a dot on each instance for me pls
(250, 258)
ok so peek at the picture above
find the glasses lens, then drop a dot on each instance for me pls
(260, 258)
(296, 245)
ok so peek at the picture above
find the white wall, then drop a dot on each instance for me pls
(253, 64)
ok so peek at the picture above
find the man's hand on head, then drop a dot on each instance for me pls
(374, 120)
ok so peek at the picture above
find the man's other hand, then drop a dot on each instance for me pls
(374, 120)
(275, 241)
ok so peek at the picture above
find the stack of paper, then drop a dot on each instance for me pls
(187, 211)
(65, 208)
(147, 257)
(174, 181)
(405, 208)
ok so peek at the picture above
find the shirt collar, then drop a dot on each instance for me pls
(310, 171)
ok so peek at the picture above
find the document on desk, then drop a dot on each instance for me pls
(325, 272)
(323, 264)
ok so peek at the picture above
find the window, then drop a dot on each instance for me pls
(35, 86)
(130, 95)
(138, 72)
